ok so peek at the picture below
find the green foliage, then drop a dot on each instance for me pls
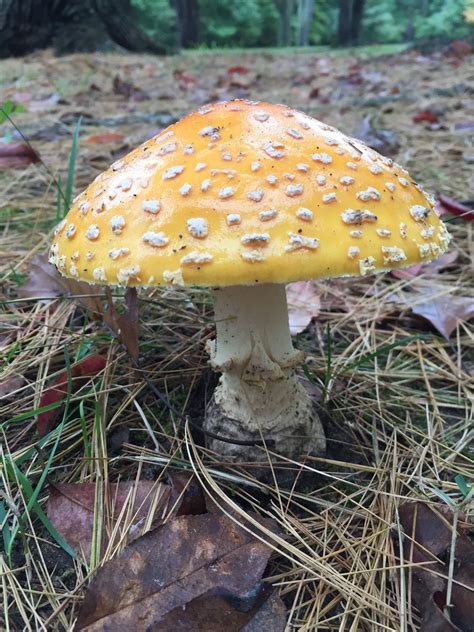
(255, 23)
(395, 20)
(243, 23)
(324, 25)
(446, 21)
(157, 18)
(8, 108)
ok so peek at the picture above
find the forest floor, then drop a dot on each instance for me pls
(391, 356)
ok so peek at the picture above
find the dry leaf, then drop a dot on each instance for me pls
(14, 155)
(9, 387)
(168, 568)
(445, 204)
(427, 269)
(71, 508)
(304, 304)
(43, 280)
(427, 538)
(216, 611)
(125, 326)
(443, 312)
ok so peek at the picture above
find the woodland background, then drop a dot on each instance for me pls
(165, 26)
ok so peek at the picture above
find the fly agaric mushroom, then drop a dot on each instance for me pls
(245, 197)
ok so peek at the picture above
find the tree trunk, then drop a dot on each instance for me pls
(117, 18)
(285, 8)
(305, 17)
(25, 26)
(357, 15)
(344, 26)
(69, 26)
(187, 15)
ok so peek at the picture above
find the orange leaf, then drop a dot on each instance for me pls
(99, 139)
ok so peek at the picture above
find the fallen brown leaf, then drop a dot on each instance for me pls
(304, 304)
(427, 269)
(216, 611)
(168, 568)
(443, 312)
(427, 538)
(71, 508)
(125, 326)
(9, 387)
(43, 280)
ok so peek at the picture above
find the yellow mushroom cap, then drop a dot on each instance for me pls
(239, 193)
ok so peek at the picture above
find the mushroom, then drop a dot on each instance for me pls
(245, 197)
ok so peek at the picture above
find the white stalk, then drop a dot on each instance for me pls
(259, 395)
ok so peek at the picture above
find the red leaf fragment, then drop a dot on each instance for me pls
(237, 70)
(14, 155)
(426, 116)
(80, 373)
(446, 204)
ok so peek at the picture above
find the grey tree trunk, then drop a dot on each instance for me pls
(305, 18)
(285, 8)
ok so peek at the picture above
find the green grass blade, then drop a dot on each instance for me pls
(72, 166)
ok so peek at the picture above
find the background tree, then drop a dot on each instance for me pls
(305, 19)
(350, 18)
(285, 8)
(71, 25)
(187, 22)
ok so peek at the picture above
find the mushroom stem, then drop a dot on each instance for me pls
(259, 395)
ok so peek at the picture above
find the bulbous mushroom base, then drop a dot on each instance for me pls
(259, 396)
(282, 414)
